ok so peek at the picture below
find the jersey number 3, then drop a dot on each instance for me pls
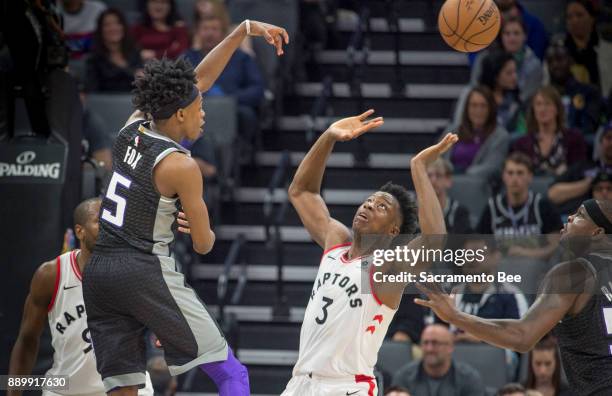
(111, 193)
(328, 301)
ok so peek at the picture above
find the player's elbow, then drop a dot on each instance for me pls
(205, 245)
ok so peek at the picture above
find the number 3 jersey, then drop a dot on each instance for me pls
(344, 326)
(133, 213)
(73, 354)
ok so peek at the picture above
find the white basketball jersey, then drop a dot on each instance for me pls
(73, 353)
(343, 327)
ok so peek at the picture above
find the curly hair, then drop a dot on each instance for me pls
(163, 82)
(407, 205)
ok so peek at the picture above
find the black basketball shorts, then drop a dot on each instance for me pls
(127, 292)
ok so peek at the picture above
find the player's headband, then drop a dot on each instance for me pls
(597, 215)
(171, 108)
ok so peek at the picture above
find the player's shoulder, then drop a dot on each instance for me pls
(45, 277)
(178, 162)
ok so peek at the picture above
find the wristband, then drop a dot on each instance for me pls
(248, 27)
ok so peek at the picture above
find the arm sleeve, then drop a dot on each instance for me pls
(252, 90)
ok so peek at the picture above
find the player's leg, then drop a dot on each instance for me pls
(188, 333)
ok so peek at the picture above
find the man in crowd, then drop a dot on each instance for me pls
(583, 103)
(437, 373)
(574, 186)
(537, 38)
(80, 20)
(520, 212)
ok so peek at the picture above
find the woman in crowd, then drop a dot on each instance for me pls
(499, 75)
(550, 145)
(512, 39)
(544, 373)
(161, 32)
(483, 143)
(115, 60)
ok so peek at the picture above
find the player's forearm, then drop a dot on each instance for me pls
(23, 358)
(504, 333)
(562, 192)
(309, 175)
(431, 218)
(209, 69)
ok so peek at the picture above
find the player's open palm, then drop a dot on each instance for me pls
(351, 127)
(274, 35)
(441, 303)
(432, 153)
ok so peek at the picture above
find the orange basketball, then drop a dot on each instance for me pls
(469, 25)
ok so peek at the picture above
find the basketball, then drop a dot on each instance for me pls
(469, 25)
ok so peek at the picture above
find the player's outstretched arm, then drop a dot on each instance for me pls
(431, 217)
(209, 69)
(178, 174)
(42, 287)
(557, 298)
(305, 189)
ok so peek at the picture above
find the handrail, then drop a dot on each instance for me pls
(234, 255)
(394, 27)
(318, 108)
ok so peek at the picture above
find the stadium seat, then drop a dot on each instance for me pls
(471, 191)
(222, 127)
(489, 361)
(114, 109)
(393, 355)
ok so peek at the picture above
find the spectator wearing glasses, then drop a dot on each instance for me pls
(437, 374)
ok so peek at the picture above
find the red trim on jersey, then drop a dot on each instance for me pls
(336, 247)
(346, 260)
(372, 286)
(57, 282)
(75, 265)
(367, 379)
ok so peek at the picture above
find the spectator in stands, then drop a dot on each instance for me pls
(537, 38)
(573, 186)
(518, 211)
(161, 32)
(481, 138)
(163, 383)
(499, 75)
(80, 18)
(241, 78)
(206, 9)
(456, 216)
(396, 391)
(97, 141)
(437, 374)
(512, 390)
(549, 144)
(582, 102)
(487, 300)
(544, 369)
(115, 61)
(601, 188)
(512, 39)
(582, 40)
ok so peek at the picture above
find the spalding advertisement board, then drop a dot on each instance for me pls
(33, 163)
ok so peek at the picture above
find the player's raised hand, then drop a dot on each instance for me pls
(432, 153)
(352, 127)
(441, 303)
(274, 35)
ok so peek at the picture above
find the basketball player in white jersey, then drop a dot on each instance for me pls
(344, 327)
(56, 296)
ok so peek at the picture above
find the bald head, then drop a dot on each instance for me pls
(438, 332)
(85, 210)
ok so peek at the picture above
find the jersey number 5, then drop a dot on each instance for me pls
(328, 301)
(111, 193)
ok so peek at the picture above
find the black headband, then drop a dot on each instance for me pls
(171, 108)
(597, 215)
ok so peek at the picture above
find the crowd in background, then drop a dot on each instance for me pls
(538, 104)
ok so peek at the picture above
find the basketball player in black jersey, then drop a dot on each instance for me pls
(575, 301)
(131, 282)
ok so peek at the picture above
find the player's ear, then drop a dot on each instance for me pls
(79, 231)
(180, 114)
